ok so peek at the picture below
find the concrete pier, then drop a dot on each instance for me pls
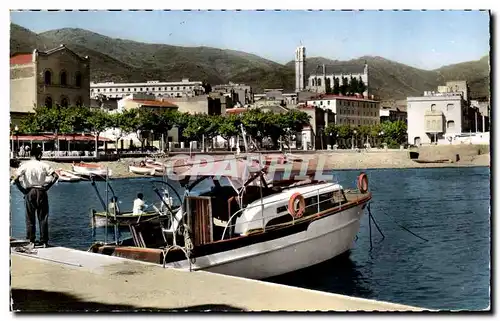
(62, 279)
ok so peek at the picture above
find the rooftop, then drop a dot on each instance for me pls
(21, 59)
(330, 97)
(155, 103)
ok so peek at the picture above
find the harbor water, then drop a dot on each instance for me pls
(448, 207)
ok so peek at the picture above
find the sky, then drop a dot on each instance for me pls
(423, 39)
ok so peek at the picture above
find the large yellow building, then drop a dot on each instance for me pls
(54, 77)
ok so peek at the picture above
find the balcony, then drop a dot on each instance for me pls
(434, 122)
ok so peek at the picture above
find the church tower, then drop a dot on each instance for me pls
(300, 67)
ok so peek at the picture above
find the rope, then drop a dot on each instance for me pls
(404, 228)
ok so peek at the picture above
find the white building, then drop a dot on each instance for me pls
(183, 88)
(436, 116)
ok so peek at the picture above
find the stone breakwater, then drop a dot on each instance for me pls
(469, 155)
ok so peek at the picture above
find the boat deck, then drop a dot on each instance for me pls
(62, 279)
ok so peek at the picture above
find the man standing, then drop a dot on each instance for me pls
(34, 174)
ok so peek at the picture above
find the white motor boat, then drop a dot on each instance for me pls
(141, 170)
(90, 169)
(66, 176)
(246, 225)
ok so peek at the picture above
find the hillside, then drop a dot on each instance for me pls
(124, 60)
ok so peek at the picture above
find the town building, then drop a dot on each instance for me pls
(440, 116)
(48, 78)
(340, 110)
(176, 89)
(276, 96)
(143, 101)
(240, 94)
(393, 110)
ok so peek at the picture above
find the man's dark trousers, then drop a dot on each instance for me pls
(37, 202)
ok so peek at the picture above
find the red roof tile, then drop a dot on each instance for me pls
(21, 59)
(236, 110)
(50, 137)
(157, 103)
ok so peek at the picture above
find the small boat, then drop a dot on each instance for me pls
(158, 166)
(98, 219)
(141, 170)
(436, 161)
(66, 176)
(88, 169)
(252, 227)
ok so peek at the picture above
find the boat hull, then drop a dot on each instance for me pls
(99, 219)
(141, 170)
(323, 239)
(87, 171)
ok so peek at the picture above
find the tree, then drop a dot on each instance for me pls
(229, 126)
(336, 86)
(395, 133)
(165, 121)
(344, 133)
(353, 86)
(98, 121)
(361, 86)
(328, 85)
(29, 125)
(52, 119)
(122, 124)
(344, 88)
(254, 122)
(143, 123)
(331, 131)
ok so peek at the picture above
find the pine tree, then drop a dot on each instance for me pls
(353, 86)
(328, 86)
(344, 88)
(336, 86)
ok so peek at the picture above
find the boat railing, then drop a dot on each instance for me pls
(316, 204)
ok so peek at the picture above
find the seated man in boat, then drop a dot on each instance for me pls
(139, 204)
(34, 174)
(113, 206)
(142, 164)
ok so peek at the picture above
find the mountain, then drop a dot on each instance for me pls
(122, 60)
(477, 74)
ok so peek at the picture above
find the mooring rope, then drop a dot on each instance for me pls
(404, 228)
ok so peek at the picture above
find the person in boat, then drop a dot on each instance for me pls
(139, 204)
(113, 207)
(34, 174)
(166, 199)
(142, 164)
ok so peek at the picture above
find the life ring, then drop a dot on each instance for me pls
(363, 183)
(297, 212)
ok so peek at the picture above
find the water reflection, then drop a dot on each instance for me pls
(339, 275)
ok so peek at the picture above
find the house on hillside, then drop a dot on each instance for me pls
(48, 78)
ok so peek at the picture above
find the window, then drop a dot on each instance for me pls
(450, 124)
(141, 89)
(147, 89)
(171, 88)
(63, 78)
(328, 102)
(135, 89)
(177, 88)
(433, 107)
(64, 101)
(78, 79)
(47, 77)
(449, 107)
(98, 90)
(48, 101)
(123, 89)
(128, 89)
(319, 82)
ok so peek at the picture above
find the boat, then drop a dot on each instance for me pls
(435, 161)
(67, 176)
(239, 222)
(89, 169)
(158, 166)
(98, 219)
(142, 170)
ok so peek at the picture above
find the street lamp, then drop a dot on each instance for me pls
(353, 134)
(381, 134)
(17, 140)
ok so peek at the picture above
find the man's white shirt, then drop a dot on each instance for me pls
(34, 173)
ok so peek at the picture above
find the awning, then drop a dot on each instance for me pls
(51, 137)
